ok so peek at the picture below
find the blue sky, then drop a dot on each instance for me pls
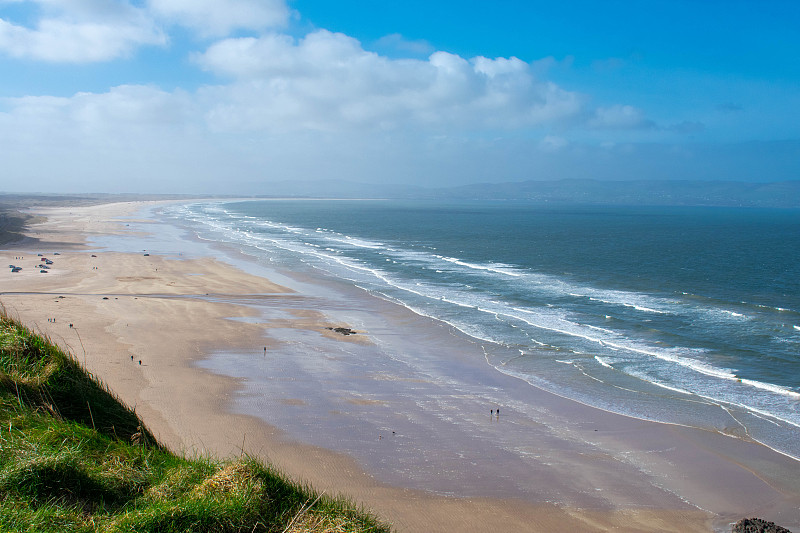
(203, 96)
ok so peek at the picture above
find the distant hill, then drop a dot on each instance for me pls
(642, 192)
(678, 193)
(682, 193)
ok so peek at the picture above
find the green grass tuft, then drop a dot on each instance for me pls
(74, 459)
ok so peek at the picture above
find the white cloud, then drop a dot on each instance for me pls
(217, 18)
(143, 139)
(130, 106)
(327, 81)
(60, 41)
(80, 31)
(135, 138)
(288, 108)
(121, 114)
(83, 31)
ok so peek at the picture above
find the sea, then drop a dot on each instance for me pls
(681, 315)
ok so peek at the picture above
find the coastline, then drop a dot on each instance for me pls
(178, 315)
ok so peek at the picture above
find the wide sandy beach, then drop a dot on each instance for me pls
(222, 356)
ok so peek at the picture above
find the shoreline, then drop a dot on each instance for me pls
(191, 421)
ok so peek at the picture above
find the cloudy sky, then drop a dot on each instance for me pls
(226, 96)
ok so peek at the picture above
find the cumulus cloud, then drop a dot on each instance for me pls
(83, 31)
(122, 113)
(131, 137)
(215, 18)
(328, 81)
(317, 105)
(80, 31)
(61, 41)
(143, 139)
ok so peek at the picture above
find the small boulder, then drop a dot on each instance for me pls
(757, 525)
(344, 331)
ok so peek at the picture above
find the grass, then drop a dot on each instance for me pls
(73, 458)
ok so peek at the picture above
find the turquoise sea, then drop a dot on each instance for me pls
(681, 315)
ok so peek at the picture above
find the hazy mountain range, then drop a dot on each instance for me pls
(588, 192)
(711, 193)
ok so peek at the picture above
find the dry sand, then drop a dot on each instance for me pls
(140, 323)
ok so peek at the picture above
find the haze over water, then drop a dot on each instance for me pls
(681, 315)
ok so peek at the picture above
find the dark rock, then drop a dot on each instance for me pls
(344, 331)
(757, 525)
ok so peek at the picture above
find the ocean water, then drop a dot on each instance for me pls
(681, 315)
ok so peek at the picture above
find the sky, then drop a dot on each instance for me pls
(229, 96)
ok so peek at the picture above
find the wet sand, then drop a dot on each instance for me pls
(398, 416)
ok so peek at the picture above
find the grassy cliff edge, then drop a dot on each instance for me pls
(74, 458)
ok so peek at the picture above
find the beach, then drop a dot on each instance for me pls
(221, 356)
